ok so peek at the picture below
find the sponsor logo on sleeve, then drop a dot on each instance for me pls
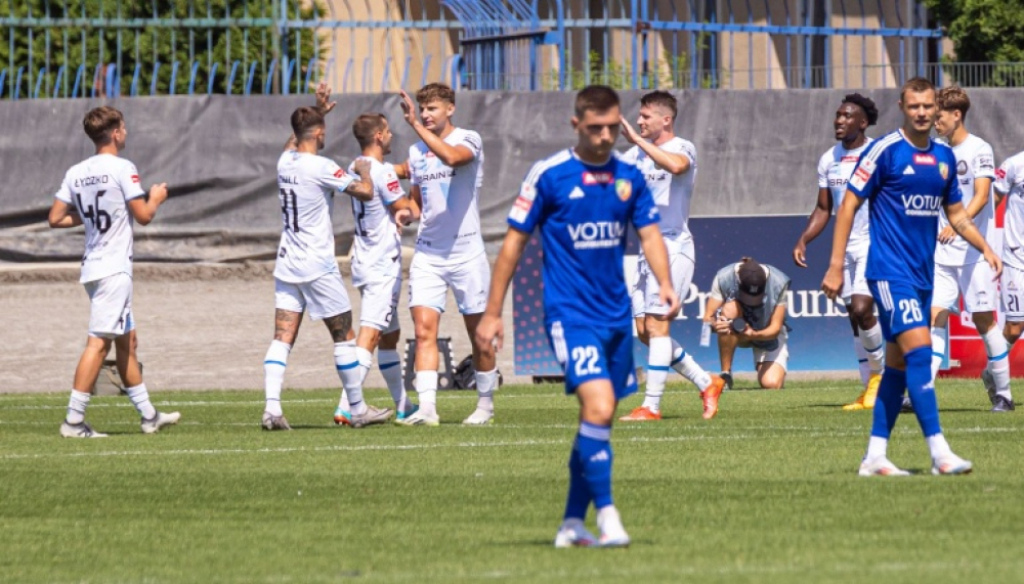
(1000, 173)
(925, 160)
(860, 178)
(339, 173)
(135, 179)
(518, 214)
(985, 162)
(393, 185)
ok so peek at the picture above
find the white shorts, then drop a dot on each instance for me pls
(975, 282)
(779, 355)
(854, 282)
(110, 311)
(1012, 285)
(379, 309)
(645, 296)
(470, 281)
(323, 298)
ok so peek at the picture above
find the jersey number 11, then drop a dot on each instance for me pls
(285, 196)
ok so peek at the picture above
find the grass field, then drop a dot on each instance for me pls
(766, 492)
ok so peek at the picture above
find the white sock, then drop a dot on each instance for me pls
(863, 364)
(938, 350)
(140, 398)
(343, 404)
(426, 388)
(390, 365)
(274, 365)
(998, 360)
(486, 383)
(874, 345)
(351, 371)
(877, 447)
(688, 368)
(76, 407)
(659, 359)
(938, 446)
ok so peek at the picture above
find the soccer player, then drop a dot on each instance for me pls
(960, 270)
(306, 273)
(747, 308)
(581, 199)
(1010, 183)
(446, 170)
(670, 166)
(104, 194)
(908, 178)
(853, 118)
(377, 266)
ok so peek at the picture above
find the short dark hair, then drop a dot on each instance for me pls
(917, 85)
(662, 99)
(306, 119)
(435, 92)
(598, 98)
(100, 122)
(866, 104)
(366, 127)
(954, 98)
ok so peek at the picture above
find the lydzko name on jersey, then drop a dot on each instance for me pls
(89, 181)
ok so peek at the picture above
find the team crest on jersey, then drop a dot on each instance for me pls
(961, 167)
(624, 189)
(944, 170)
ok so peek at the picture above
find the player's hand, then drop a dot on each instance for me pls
(947, 235)
(722, 325)
(832, 285)
(362, 167)
(628, 132)
(668, 297)
(158, 193)
(800, 254)
(490, 331)
(994, 262)
(408, 108)
(403, 217)
(323, 99)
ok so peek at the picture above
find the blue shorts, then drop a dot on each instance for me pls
(588, 352)
(901, 307)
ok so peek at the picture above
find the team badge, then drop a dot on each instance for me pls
(944, 170)
(624, 189)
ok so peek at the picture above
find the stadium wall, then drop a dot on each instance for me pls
(757, 155)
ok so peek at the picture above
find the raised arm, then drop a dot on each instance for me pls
(672, 162)
(361, 189)
(453, 156)
(491, 329)
(833, 283)
(816, 223)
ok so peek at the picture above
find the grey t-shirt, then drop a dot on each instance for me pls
(727, 284)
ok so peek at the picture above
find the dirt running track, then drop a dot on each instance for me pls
(200, 327)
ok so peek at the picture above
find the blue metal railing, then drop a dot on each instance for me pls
(119, 47)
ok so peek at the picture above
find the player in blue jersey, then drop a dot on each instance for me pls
(908, 179)
(581, 199)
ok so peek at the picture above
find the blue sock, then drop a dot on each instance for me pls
(595, 453)
(889, 401)
(578, 500)
(922, 390)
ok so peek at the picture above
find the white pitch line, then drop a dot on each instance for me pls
(176, 404)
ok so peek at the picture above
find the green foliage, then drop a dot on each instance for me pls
(985, 31)
(72, 46)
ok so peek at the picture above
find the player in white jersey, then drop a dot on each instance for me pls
(306, 274)
(104, 194)
(855, 114)
(669, 164)
(1010, 183)
(446, 172)
(961, 270)
(377, 266)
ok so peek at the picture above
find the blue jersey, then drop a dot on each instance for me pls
(907, 188)
(582, 212)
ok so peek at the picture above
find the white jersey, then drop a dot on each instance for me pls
(306, 185)
(100, 188)
(834, 170)
(974, 160)
(377, 249)
(450, 220)
(1010, 182)
(672, 193)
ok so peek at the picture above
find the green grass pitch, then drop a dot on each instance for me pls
(766, 492)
